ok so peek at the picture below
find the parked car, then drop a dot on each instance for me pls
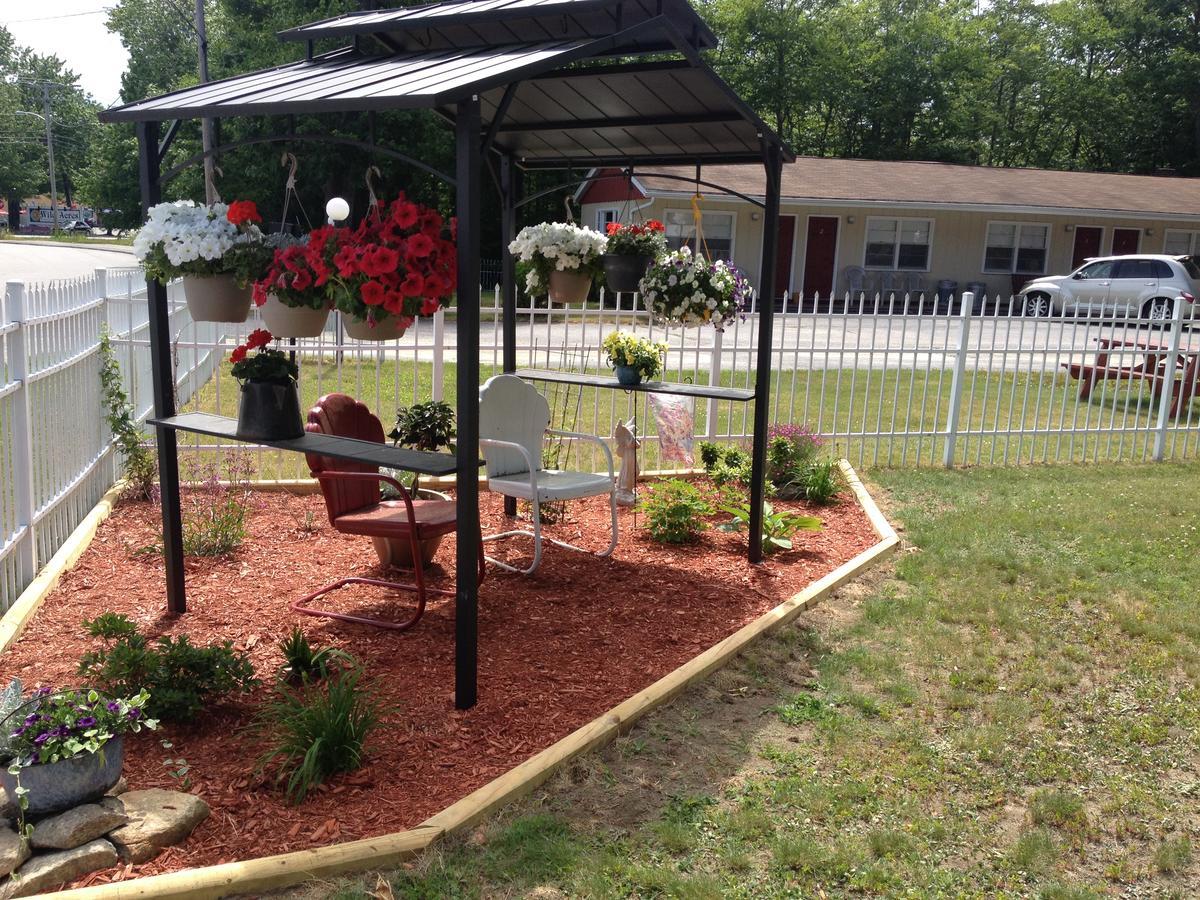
(80, 226)
(1143, 285)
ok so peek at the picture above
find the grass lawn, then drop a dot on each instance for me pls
(1010, 710)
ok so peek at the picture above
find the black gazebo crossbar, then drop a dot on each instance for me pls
(685, 113)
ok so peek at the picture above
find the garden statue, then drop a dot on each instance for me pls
(627, 448)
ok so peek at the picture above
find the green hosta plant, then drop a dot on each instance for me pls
(778, 527)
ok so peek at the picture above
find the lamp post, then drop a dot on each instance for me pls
(337, 209)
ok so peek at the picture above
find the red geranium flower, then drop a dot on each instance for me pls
(259, 337)
(242, 212)
(238, 354)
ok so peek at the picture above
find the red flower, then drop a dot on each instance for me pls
(302, 280)
(258, 338)
(380, 261)
(430, 306)
(238, 354)
(413, 286)
(655, 225)
(394, 304)
(419, 246)
(260, 291)
(612, 228)
(242, 212)
(372, 293)
(404, 214)
(346, 260)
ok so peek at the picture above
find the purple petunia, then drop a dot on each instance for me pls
(42, 738)
(86, 722)
(43, 691)
(113, 706)
(134, 714)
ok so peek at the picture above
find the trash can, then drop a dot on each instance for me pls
(946, 290)
(979, 289)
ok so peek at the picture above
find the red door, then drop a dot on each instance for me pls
(1126, 240)
(783, 262)
(1087, 244)
(820, 251)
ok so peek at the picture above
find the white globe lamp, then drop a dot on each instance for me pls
(337, 209)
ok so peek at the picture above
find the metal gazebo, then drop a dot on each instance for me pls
(526, 85)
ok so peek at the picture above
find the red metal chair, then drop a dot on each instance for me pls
(355, 506)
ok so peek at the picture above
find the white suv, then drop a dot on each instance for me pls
(1142, 285)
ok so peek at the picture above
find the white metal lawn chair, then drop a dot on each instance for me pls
(514, 420)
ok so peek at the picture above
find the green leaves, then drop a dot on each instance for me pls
(425, 426)
(778, 527)
(674, 512)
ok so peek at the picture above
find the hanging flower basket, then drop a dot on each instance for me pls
(681, 289)
(399, 263)
(631, 250)
(292, 300)
(218, 250)
(558, 259)
(269, 405)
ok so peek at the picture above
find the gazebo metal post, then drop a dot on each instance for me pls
(164, 382)
(511, 184)
(466, 597)
(773, 163)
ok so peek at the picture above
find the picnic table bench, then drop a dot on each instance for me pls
(1152, 367)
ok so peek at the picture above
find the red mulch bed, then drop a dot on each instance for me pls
(557, 649)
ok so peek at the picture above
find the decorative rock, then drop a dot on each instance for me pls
(13, 851)
(76, 827)
(157, 819)
(119, 788)
(48, 870)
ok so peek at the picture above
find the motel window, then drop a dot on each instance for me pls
(604, 216)
(898, 244)
(1181, 243)
(717, 227)
(1018, 247)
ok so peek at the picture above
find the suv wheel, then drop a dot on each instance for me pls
(1157, 310)
(1037, 304)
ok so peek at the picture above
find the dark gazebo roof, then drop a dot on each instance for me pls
(548, 103)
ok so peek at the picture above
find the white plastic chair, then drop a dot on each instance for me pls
(513, 422)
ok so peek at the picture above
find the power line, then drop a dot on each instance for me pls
(91, 12)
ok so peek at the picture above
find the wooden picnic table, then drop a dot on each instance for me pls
(1151, 367)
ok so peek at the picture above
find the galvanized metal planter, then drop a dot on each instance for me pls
(63, 785)
(269, 411)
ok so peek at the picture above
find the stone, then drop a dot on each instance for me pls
(118, 789)
(76, 827)
(13, 851)
(157, 819)
(48, 870)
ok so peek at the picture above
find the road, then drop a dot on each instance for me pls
(22, 261)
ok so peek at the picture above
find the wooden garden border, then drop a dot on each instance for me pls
(274, 872)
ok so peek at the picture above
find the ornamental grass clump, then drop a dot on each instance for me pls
(795, 469)
(304, 663)
(691, 291)
(627, 349)
(556, 246)
(183, 238)
(183, 680)
(675, 512)
(215, 506)
(317, 731)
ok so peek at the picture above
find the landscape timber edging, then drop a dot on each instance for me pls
(285, 869)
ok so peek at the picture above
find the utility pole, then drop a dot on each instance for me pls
(50, 151)
(206, 125)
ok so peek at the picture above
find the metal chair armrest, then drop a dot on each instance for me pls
(579, 435)
(513, 445)
(329, 475)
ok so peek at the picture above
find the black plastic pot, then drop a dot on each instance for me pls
(624, 273)
(269, 411)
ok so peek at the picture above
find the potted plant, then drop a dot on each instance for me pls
(559, 259)
(218, 250)
(429, 427)
(66, 748)
(269, 406)
(631, 249)
(399, 263)
(634, 359)
(690, 291)
(293, 297)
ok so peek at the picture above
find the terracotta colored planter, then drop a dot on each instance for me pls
(569, 287)
(216, 298)
(388, 329)
(285, 321)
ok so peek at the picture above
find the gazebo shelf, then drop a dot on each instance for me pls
(366, 452)
(710, 391)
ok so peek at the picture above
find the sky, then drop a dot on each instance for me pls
(72, 30)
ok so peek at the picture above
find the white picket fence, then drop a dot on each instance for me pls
(887, 381)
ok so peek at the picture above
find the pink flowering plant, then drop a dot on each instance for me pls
(66, 724)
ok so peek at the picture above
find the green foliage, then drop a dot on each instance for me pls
(317, 731)
(183, 679)
(1173, 855)
(726, 465)
(304, 663)
(425, 426)
(1059, 809)
(67, 724)
(140, 464)
(214, 509)
(778, 527)
(627, 349)
(795, 469)
(674, 512)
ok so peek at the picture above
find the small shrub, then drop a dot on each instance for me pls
(214, 509)
(1059, 809)
(303, 663)
(182, 679)
(317, 731)
(778, 527)
(1173, 855)
(794, 469)
(674, 512)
